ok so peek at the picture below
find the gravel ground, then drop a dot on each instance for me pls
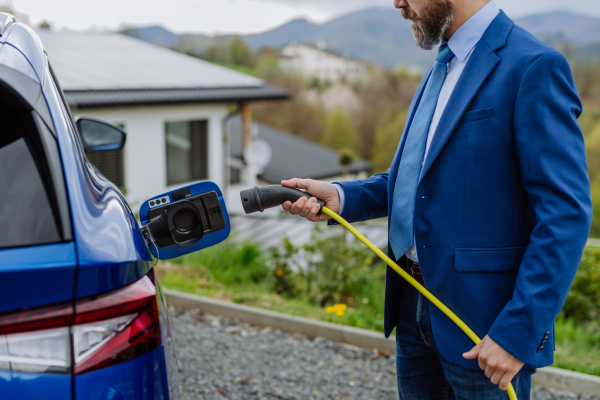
(223, 359)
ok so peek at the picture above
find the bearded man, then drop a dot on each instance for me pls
(488, 203)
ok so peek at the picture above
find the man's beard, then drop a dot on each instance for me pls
(430, 27)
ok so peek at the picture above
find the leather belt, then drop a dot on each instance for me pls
(414, 270)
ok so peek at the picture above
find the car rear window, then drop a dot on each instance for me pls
(26, 216)
(28, 204)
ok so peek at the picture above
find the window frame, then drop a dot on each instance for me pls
(203, 131)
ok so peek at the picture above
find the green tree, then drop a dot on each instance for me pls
(267, 67)
(339, 131)
(346, 158)
(230, 51)
(240, 52)
(595, 231)
(387, 136)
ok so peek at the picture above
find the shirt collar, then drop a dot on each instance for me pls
(471, 32)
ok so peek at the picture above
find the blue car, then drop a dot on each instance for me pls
(82, 313)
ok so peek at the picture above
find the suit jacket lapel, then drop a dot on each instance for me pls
(393, 171)
(481, 64)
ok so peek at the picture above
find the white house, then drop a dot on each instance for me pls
(172, 106)
(187, 120)
(315, 61)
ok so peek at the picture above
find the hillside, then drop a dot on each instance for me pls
(563, 27)
(382, 36)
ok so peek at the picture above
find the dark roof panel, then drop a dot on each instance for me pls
(141, 97)
(293, 157)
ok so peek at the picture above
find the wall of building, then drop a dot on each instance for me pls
(145, 150)
(309, 62)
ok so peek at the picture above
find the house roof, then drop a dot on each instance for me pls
(139, 97)
(108, 69)
(292, 156)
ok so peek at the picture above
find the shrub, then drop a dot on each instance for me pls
(280, 261)
(577, 347)
(332, 268)
(583, 301)
(230, 263)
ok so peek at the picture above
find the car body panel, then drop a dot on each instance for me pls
(110, 248)
(25, 39)
(13, 58)
(143, 378)
(168, 344)
(30, 386)
(99, 278)
(54, 269)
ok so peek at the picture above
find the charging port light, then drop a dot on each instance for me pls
(161, 201)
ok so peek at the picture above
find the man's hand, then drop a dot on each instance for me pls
(308, 208)
(499, 365)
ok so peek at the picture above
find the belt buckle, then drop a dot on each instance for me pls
(415, 269)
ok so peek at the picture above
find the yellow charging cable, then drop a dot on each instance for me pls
(511, 391)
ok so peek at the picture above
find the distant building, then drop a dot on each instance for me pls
(172, 106)
(315, 61)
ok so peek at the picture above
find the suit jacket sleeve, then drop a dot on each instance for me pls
(551, 153)
(365, 199)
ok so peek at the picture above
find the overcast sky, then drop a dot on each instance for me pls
(227, 16)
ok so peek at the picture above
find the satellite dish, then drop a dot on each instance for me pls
(258, 153)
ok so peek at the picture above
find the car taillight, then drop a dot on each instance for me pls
(45, 351)
(132, 327)
(106, 329)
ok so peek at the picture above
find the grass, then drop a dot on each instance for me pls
(197, 280)
(238, 273)
(577, 347)
(239, 68)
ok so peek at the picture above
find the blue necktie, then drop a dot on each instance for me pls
(403, 204)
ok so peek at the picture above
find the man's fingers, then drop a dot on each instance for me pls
(298, 205)
(489, 370)
(312, 215)
(473, 353)
(308, 207)
(287, 205)
(497, 376)
(298, 183)
(506, 379)
(289, 182)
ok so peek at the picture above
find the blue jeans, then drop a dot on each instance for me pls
(424, 375)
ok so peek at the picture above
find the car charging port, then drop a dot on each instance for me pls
(184, 222)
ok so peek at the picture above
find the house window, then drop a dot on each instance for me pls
(110, 163)
(235, 175)
(187, 151)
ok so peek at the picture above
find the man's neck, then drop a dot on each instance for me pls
(465, 9)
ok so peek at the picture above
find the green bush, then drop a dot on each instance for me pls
(583, 301)
(577, 347)
(281, 261)
(332, 268)
(595, 231)
(230, 263)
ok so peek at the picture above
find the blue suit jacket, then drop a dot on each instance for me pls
(503, 209)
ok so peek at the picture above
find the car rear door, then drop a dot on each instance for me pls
(37, 253)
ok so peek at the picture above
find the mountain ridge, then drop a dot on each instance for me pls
(383, 37)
